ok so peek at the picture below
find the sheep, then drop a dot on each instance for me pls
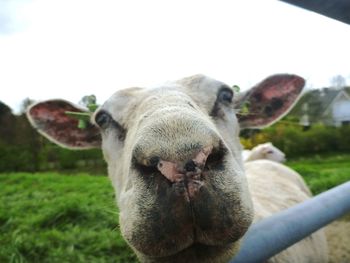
(174, 159)
(264, 151)
(283, 181)
(267, 151)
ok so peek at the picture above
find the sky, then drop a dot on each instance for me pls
(71, 48)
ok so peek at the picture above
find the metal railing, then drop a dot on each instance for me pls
(271, 235)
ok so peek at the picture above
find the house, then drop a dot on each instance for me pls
(329, 106)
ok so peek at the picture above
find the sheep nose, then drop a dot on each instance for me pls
(190, 166)
(176, 172)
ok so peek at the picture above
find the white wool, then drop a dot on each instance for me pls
(264, 151)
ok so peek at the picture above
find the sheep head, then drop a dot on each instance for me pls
(174, 159)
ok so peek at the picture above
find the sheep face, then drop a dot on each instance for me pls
(265, 151)
(174, 159)
(177, 170)
(273, 153)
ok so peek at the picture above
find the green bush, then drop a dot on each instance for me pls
(47, 156)
(16, 158)
(294, 141)
(343, 139)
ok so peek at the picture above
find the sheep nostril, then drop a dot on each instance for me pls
(148, 166)
(215, 160)
(190, 166)
(153, 161)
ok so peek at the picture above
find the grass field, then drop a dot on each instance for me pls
(48, 217)
(59, 218)
(323, 172)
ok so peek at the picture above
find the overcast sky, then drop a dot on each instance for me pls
(71, 48)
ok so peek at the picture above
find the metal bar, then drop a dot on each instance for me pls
(271, 235)
(336, 9)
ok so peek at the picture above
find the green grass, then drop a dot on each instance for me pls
(48, 217)
(59, 218)
(323, 172)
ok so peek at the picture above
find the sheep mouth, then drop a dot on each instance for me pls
(197, 252)
(178, 224)
(193, 213)
(188, 187)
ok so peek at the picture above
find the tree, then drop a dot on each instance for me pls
(7, 124)
(338, 81)
(25, 104)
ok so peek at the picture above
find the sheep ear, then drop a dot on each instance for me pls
(50, 118)
(268, 101)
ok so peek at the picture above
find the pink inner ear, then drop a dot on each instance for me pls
(51, 120)
(281, 86)
(270, 100)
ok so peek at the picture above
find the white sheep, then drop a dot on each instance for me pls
(174, 159)
(264, 151)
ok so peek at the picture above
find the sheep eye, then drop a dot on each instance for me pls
(103, 119)
(225, 95)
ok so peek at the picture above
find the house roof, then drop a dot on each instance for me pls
(318, 101)
(341, 93)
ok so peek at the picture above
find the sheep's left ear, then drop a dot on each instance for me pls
(268, 101)
(50, 118)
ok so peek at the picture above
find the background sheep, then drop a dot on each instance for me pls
(264, 151)
(282, 183)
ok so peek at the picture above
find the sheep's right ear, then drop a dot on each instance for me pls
(50, 118)
(269, 100)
